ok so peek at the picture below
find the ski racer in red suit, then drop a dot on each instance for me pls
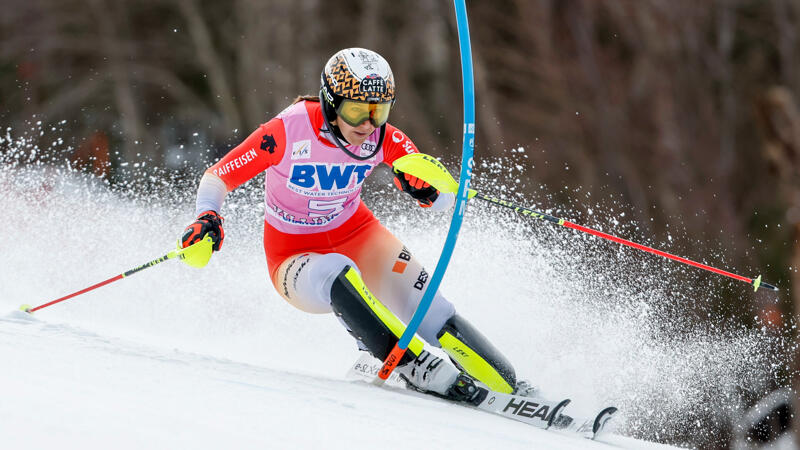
(326, 251)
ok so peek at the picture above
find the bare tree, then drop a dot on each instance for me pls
(779, 118)
(212, 64)
(109, 17)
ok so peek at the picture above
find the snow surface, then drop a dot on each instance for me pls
(66, 387)
(176, 357)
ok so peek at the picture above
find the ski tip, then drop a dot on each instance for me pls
(26, 308)
(556, 412)
(602, 419)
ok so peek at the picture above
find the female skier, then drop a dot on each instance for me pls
(326, 252)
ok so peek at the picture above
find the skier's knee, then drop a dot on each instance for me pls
(305, 280)
(367, 319)
(471, 351)
(438, 313)
(325, 270)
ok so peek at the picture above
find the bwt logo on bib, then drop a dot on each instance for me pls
(328, 177)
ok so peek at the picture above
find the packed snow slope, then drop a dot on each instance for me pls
(177, 357)
(66, 387)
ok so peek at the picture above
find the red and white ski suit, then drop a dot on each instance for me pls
(315, 221)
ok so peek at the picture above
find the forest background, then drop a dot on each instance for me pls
(681, 115)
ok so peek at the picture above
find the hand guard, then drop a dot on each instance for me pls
(209, 223)
(424, 193)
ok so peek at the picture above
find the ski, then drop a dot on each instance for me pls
(533, 410)
(547, 414)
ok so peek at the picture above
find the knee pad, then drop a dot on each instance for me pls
(367, 319)
(473, 353)
(306, 280)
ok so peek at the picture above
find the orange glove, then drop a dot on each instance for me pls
(208, 222)
(419, 189)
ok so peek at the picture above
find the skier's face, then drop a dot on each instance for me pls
(355, 135)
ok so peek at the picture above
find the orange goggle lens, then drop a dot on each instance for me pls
(355, 113)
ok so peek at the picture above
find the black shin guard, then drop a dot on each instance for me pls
(473, 353)
(368, 320)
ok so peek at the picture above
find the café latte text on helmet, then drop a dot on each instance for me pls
(357, 85)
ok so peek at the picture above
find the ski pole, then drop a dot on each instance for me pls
(194, 255)
(432, 171)
(755, 282)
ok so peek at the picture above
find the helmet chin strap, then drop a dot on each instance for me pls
(343, 148)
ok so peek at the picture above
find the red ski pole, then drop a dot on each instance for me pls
(432, 171)
(196, 255)
(755, 282)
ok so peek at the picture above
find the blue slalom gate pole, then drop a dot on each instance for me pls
(461, 196)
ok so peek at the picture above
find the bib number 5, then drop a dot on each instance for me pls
(321, 208)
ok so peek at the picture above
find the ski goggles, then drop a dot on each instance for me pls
(355, 113)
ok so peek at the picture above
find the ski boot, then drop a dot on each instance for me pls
(433, 375)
